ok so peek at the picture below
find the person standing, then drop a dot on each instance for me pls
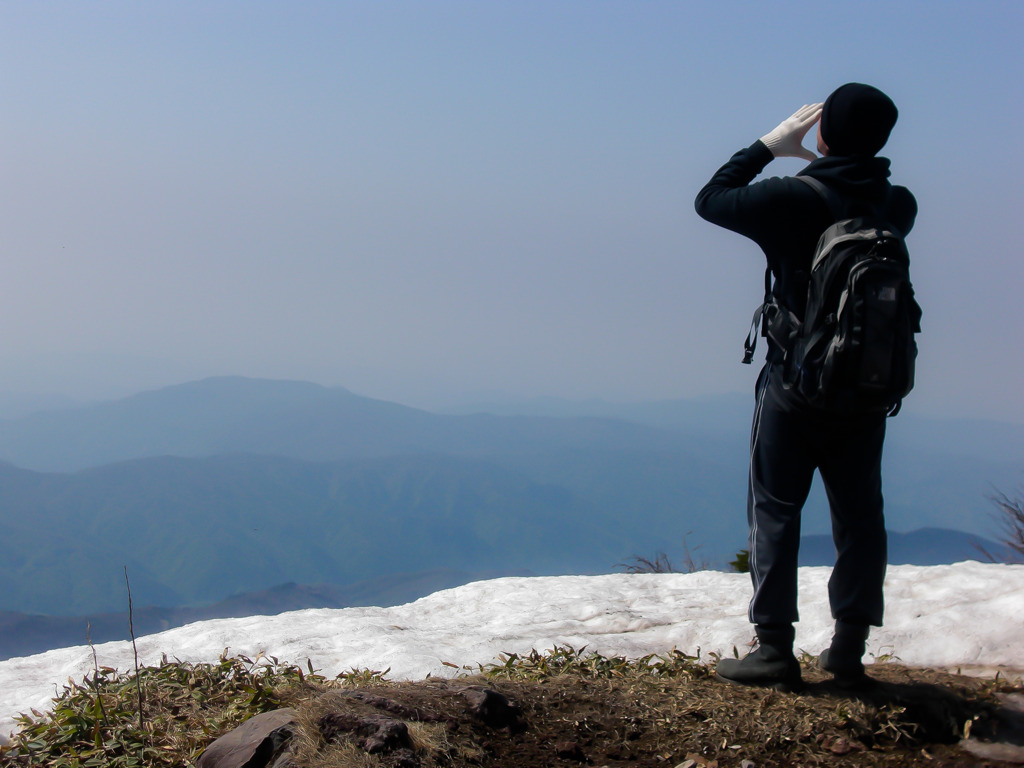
(790, 438)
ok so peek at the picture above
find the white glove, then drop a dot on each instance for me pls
(787, 139)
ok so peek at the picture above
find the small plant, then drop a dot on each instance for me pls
(885, 655)
(567, 660)
(662, 564)
(96, 722)
(360, 677)
(638, 564)
(742, 562)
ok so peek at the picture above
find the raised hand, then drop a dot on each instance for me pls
(786, 140)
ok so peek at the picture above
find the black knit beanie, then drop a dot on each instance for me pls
(856, 120)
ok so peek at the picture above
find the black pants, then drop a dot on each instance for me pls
(788, 442)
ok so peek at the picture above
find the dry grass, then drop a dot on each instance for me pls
(656, 711)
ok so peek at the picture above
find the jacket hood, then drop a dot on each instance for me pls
(863, 178)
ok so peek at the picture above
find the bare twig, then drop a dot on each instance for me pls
(131, 629)
(1010, 519)
(691, 565)
(1011, 516)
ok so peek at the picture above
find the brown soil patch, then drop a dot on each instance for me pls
(911, 717)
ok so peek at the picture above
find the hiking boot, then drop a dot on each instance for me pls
(771, 665)
(850, 676)
(843, 657)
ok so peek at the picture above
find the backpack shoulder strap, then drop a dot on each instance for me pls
(832, 200)
(755, 325)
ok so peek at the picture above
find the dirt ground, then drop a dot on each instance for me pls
(912, 717)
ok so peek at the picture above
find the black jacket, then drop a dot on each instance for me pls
(786, 216)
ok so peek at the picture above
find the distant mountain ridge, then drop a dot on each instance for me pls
(235, 414)
(233, 485)
(227, 415)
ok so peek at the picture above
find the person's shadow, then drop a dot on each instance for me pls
(990, 726)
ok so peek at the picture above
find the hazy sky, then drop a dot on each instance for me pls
(425, 201)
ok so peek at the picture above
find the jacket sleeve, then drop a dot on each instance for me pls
(729, 200)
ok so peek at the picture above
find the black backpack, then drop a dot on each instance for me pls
(855, 349)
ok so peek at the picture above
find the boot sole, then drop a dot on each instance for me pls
(783, 686)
